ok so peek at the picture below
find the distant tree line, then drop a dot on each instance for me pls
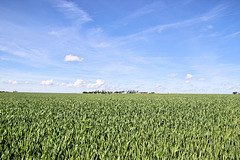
(109, 92)
(236, 92)
(8, 91)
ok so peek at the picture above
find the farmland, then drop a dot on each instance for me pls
(82, 126)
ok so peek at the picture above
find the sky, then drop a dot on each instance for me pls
(162, 46)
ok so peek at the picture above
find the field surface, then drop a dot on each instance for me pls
(77, 126)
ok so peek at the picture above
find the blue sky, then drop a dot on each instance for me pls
(182, 46)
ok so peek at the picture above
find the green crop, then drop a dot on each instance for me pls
(77, 126)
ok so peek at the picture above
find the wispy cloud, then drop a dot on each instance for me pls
(201, 79)
(159, 86)
(14, 49)
(70, 57)
(21, 52)
(216, 70)
(72, 10)
(213, 13)
(3, 49)
(229, 88)
(233, 35)
(187, 81)
(102, 45)
(172, 75)
(55, 33)
(149, 8)
(209, 27)
(186, 2)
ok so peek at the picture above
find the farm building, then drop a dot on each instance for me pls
(143, 92)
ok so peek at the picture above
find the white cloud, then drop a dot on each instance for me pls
(172, 75)
(79, 83)
(12, 82)
(189, 76)
(70, 57)
(47, 82)
(187, 81)
(201, 79)
(98, 84)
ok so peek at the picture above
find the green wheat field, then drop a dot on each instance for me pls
(119, 126)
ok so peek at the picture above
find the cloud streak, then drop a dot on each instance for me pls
(147, 9)
(213, 13)
(172, 75)
(71, 10)
(201, 79)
